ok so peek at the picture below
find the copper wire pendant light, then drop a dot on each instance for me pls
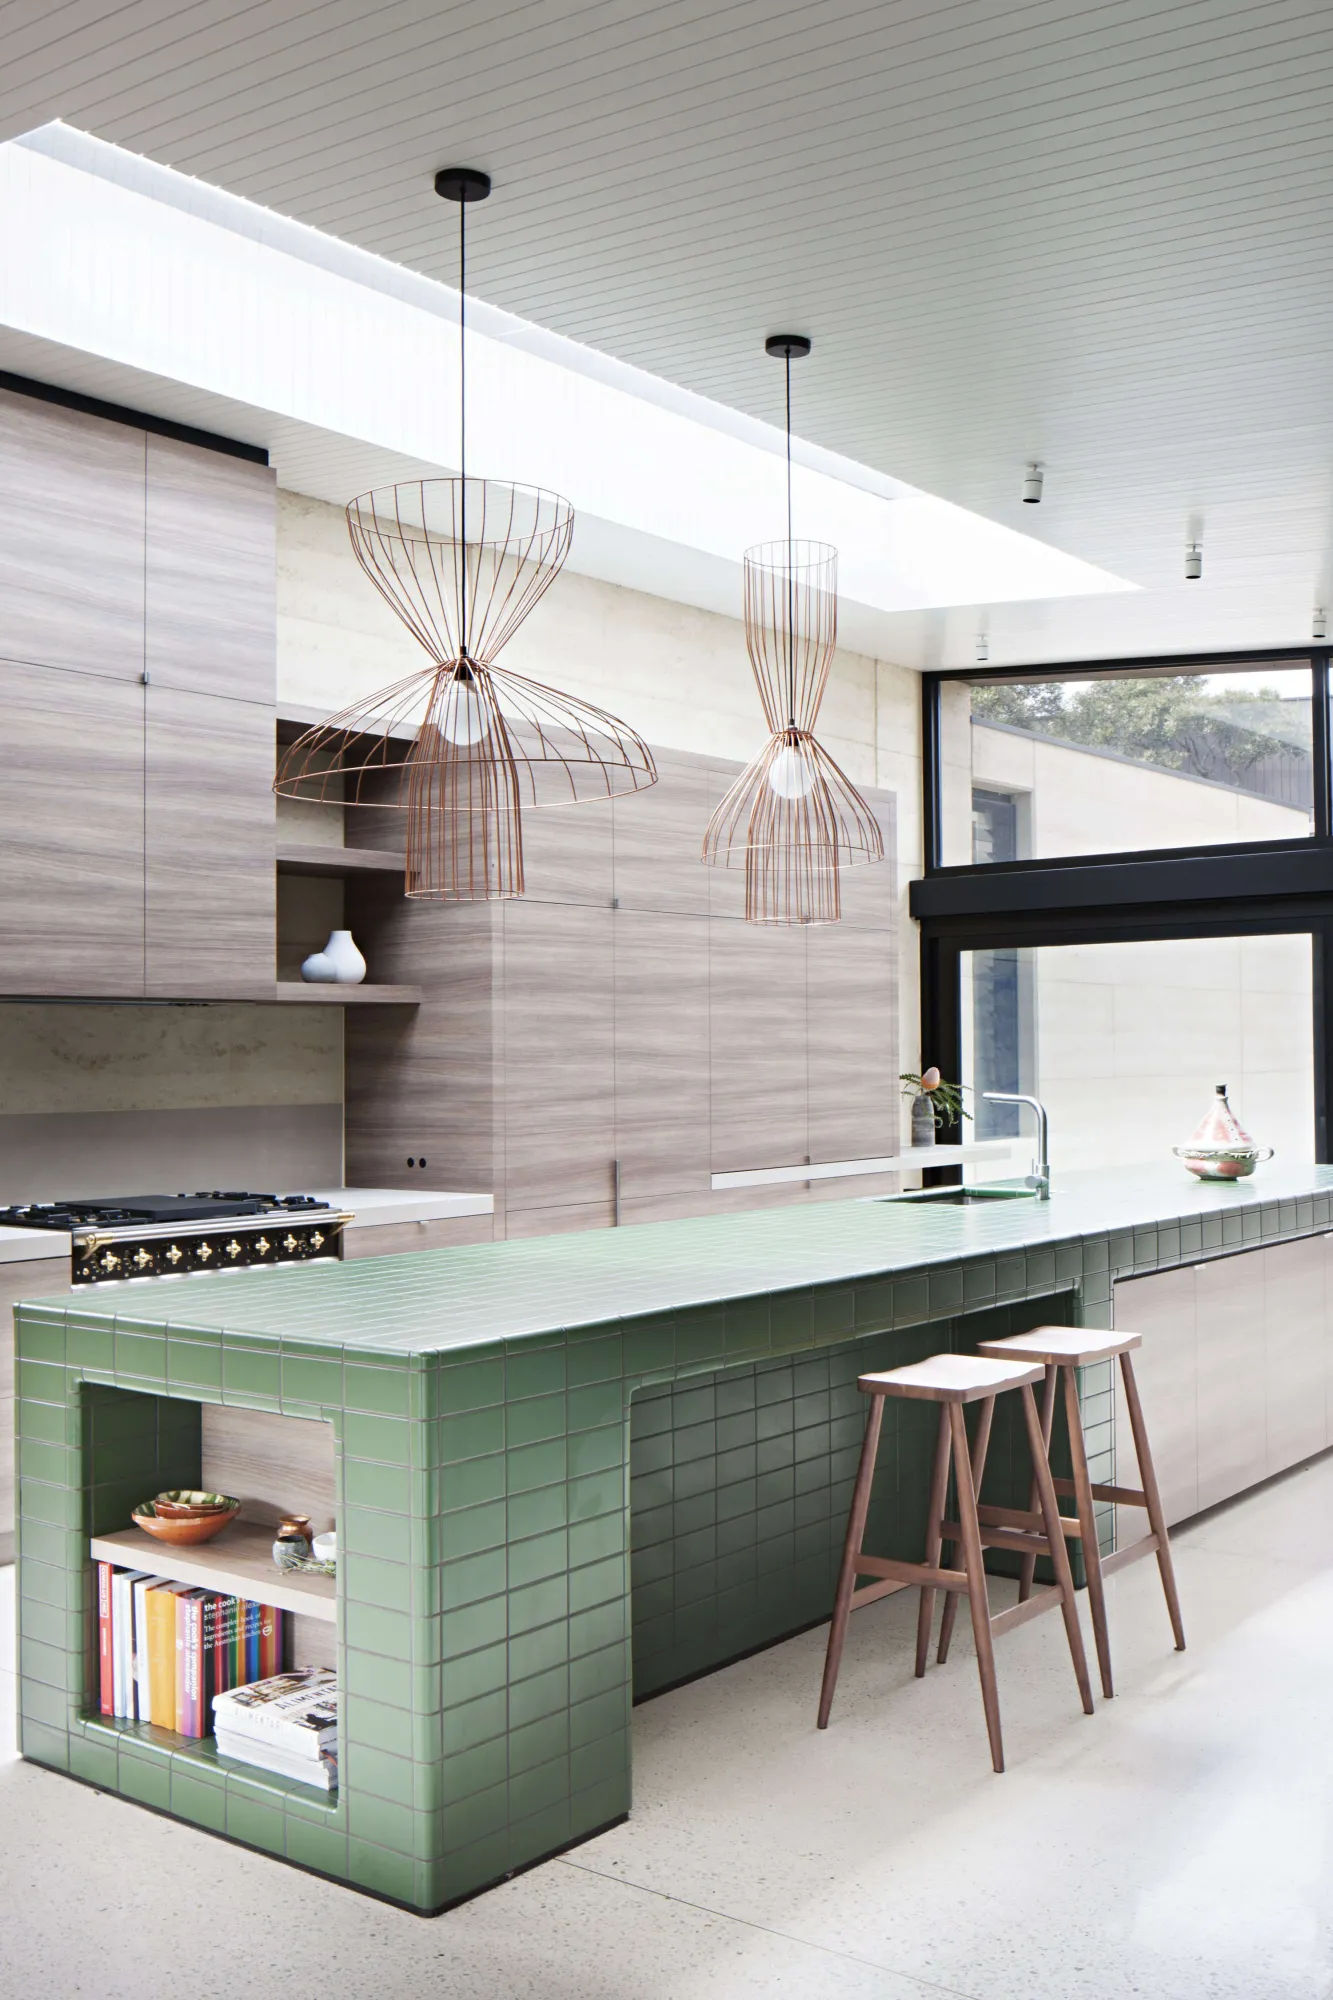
(793, 820)
(463, 746)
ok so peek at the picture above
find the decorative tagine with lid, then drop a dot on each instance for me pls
(1220, 1148)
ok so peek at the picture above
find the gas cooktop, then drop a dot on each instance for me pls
(132, 1211)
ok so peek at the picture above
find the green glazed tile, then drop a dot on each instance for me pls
(386, 1390)
(534, 1370)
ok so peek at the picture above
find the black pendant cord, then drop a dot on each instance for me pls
(791, 581)
(462, 413)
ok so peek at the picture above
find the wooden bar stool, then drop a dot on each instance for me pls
(1062, 1350)
(951, 1380)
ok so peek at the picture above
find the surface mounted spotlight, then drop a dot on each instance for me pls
(1319, 625)
(1193, 562)
(1032, 484)
(983, 647)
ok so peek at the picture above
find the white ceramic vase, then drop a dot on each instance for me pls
(349, 968)
(339, 964)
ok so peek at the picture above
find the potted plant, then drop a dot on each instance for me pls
(934, 1103)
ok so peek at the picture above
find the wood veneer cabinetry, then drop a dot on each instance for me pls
(137, 692)
(1236, 1370)
(620, 1029)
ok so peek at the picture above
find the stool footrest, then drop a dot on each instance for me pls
(1016, 1517)
(1148, 1545)
(870, 1593)
(1122, 1496)
(994, 1536)
(927, 1574)
(1029, 1607)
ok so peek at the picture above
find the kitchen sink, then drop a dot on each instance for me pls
(961, 1197)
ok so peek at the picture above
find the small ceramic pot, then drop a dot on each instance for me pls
(292, 1541)
(318, 969)
(349, 968)
(923, 1120)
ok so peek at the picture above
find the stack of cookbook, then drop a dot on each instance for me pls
(287, 1724)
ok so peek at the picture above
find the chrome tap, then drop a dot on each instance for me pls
(1040, 1177)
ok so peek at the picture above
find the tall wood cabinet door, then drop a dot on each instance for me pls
(1294, 1351)
(71, 833)
(71, 539)
(555, 1054)
(758, 1088)
(1233, 1440)
(1166, 1368)
(208, 874)
(210, 572)
(851, 984)
(661, 1064)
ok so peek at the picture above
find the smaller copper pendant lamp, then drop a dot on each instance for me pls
(793, 820)
(463, 746)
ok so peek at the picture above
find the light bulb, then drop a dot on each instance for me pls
(465, 716)
(790, 775)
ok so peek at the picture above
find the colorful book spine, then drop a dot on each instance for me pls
(105, 1678)
(252, 1617)
(162, 1654)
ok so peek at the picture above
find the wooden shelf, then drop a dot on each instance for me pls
(338, 861)
(321, 994)
(239, 1562)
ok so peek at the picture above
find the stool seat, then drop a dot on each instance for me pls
(1072, 1346)
(952, 1378)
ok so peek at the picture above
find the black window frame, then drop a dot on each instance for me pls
(1242, 889)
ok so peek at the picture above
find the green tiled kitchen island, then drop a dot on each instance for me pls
(522, 1428)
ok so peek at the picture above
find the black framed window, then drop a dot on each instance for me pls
(1175, 757)
(1164, 823)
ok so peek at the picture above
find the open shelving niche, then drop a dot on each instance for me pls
(246, 1453)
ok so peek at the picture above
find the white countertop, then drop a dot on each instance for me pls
(372, 1208)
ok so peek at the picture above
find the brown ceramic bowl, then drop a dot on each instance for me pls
(187, 1505)
(183, 1531)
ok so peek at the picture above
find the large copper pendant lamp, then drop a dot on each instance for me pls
(792, 819)
(463, 746)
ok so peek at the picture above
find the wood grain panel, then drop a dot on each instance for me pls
(392, 1239)
(71, 539)
(758, 1091)
(1233, 1446)
(851, 985)
(71, 833)
(659, 834)
(567, 853)
(661, 1053)
(556, 1049)
(209, 880)
(1162, 1309)
(420, 1083)
(1295, 1351)
(311, 1642)
(210, 572)
(870, 892)
(272, 1465)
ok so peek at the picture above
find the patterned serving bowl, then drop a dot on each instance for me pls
(1222, 1163)
(183, 1530)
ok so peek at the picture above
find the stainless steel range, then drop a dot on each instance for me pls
(172, 1235)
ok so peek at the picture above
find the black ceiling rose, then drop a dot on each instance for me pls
(787, 346)
(462, 184)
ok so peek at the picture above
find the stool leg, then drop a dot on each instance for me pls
(939, 1483)
(856, 1527)
(1087, 1521)
(1050, 1511)
(979, 1450)
(1029, 1570)
(978, 1602)
(1156, 1520)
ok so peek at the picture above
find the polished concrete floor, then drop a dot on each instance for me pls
(1176, 1846)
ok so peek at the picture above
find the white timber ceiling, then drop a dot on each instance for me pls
(1097, 235)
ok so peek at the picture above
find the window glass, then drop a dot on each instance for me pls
(1044, 769)
(1125, 1044)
